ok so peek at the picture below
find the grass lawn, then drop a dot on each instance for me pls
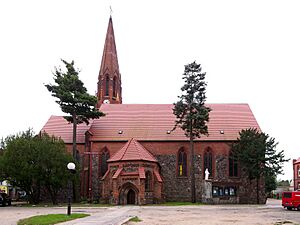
(107, 205)
(135, 219)
(50, 219)
(64, 205)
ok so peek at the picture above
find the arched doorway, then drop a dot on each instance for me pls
(131, 197)
(128, 194)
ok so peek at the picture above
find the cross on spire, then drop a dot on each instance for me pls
(111, 11)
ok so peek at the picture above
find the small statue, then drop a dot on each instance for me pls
(206, 174)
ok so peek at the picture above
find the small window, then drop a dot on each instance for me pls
(287, 194)
(208, 162)
(298, 171)
(233, 166)
(182, 163)
(103, 163)
(107, 86)
(114, 87)
(148, 181)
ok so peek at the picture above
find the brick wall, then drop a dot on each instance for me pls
(179, 188)
(296, 168)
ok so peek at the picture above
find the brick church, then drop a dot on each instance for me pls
(131, 156)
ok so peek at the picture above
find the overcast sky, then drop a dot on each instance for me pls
(249, 49)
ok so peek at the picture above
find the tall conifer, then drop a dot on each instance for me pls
(73, 98)
(257, 154)
(191, 113)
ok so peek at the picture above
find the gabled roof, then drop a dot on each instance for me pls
(150, 122)
(59, 127)
(132, 151)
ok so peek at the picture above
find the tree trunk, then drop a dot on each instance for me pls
(34, 195)
(257, 191)
(74, 136)
(193, 188)
(53, 195)
(74, 152)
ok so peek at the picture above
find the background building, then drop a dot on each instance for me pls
(296, 169)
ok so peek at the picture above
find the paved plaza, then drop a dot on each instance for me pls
(271, 213)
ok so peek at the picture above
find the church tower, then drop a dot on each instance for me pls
(109, 80)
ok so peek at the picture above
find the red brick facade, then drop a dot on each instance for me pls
(172, 187)
(296, 172)
(123, 177)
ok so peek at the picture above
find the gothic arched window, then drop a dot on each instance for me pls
(182, 163)
(103, 161)
(148, 181)
(208, 162)
(107, 86)
(115, 87)
(233, 165)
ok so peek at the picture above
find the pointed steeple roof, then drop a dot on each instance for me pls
(109, 63)
(132, 151)
(109, 88)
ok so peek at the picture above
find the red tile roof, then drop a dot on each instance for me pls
(105, 175)
(59, 127)
(132, 150)
(115, 176)
(152, 121)
(157, 175)
(147, 122)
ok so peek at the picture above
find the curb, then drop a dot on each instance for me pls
(125, 220)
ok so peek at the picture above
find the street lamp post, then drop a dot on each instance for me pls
(71, 168)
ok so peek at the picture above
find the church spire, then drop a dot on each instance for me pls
(109, 79)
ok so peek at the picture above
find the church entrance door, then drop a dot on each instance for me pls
(129, 194)
(131, 197)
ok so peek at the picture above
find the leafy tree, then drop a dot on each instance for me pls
(191, 113)
(32, 162)
(73, 98)
(53, 159)
(283, 183)
(256, 151)
(270, 182)
(19, 164)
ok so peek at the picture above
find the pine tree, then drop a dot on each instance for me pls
(73, 98)
(257, 153)
(191, 113)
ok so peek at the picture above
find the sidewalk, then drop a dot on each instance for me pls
(112, 216)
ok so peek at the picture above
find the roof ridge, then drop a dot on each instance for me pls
(207, 103)
(146, 150)
(126, 148)
(136, 147)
